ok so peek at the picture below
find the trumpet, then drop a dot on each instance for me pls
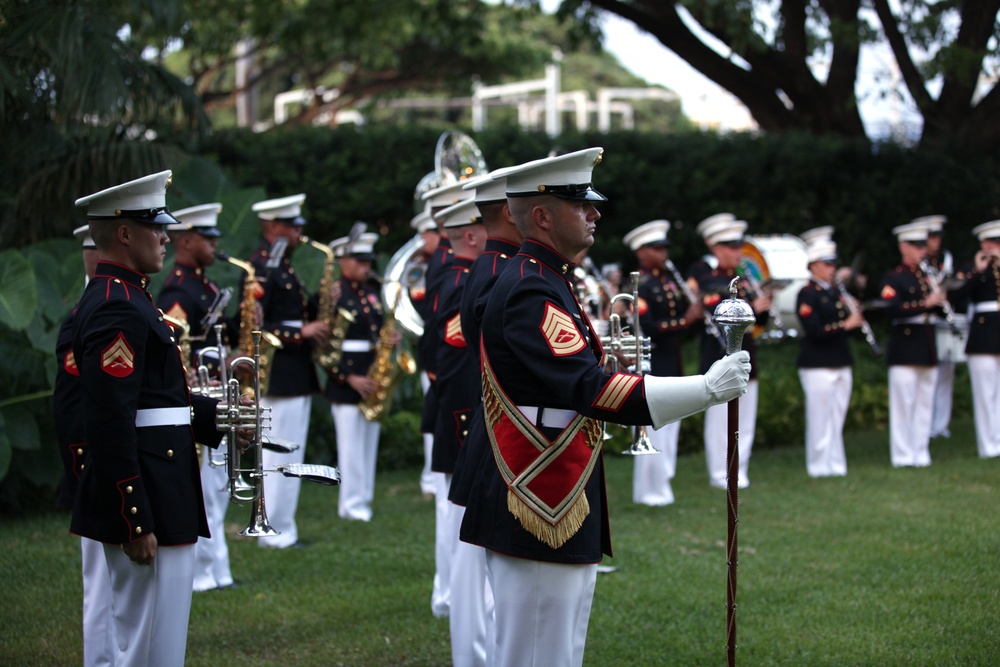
(935, 285)
(852, 306)
(232, 416)
(640, 346)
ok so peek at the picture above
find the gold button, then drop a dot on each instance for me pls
(79, 451)
(138, 530)
(133, 510)
(462, 417)
(170, 453)
(128, 489)
(81, 465)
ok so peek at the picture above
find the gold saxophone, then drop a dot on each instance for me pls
(248, 324)
(338, 319)
(184, 345)
(388, 367)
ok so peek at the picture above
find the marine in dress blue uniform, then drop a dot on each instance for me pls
(188, 296)
(99, 645)
(348, 385)
(288, 314)
(912, 353)
(982, 292)
(825, 359)
(539, 505)
(665, 316)
(140, 491)
(723, 234)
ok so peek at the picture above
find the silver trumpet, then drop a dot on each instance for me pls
(640, 348)
(232, 415)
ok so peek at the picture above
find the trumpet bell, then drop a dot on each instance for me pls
(641, 445)
(258, 525)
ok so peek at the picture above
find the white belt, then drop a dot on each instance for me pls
(291, 323)
(916, 319)
(551, 417)
(163, 417)
(357, 346)
(984, 307)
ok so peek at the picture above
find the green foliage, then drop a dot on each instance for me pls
(17, 290)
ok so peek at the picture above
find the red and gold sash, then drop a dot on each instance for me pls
(545, 480)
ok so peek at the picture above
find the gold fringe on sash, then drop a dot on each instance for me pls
(554, 536)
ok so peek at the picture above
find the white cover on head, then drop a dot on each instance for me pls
(721, 227)
(283, 207)
(423, 222)
(568, 176)
(934, 223)
(487, 188)
(446, 195)
(200, 219)
(816, 234)
(363, 245)
(987, 230)
(651, 232)
(911, 231)
(148, 192)
(821, 250)
(461, 214)
(83, 234)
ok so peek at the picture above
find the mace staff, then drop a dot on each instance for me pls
(733, 316)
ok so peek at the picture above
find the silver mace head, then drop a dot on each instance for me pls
(733, 316)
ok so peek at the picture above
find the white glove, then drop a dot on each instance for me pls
(727, 378)
(673, 398)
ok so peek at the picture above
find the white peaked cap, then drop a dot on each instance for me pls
(284, 209)
(446, 195)
(911, 231)
(423, 222)
(487, 188)
(721, 227)
(142, 199)
(817, 234)
(362, 248)
(651, 233)
(83, 234)
(987, 230)
(821, 250)
(934, 223)
(565, 176)
(461, 214)
(201, 219)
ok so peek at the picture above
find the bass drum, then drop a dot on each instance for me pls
(951, 345)
(781, 261)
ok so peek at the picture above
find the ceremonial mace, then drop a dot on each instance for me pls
(733, 316)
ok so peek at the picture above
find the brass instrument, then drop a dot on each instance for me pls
(231, 416)
(248, 317)
(337, 319)
(710, 326)
(184, 345)
(594, 294)
(388, 367)
(641, 347)
(405, 270)
(852, 307)
(935, 285)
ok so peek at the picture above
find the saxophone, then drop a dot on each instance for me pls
(338, 319)
(388, 367)
(248, 324)
(184, 346)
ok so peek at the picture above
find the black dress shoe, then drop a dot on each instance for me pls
(298, 545)
(233, 586)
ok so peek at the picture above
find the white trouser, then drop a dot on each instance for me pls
(99, 645)
(542, 611)
(426, 474)
(445, 537)
(984, 376)
(651, 473)
(211, 563)
(152, 604)
(911, 400)
(828, 394)
(717, 438)
(471, 606)
(289, 421)
(357, 451)
(943, 390)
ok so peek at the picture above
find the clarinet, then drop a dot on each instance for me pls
(710, 324)
(866, 328)
(949, 312)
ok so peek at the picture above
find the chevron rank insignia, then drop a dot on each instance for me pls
(69, 364)
(643, 306)
(453, 332)
(805, 310)
(562, 335)
(888, 292)
(177, 313)
(117, 359)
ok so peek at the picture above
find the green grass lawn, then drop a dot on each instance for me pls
(882, 567)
